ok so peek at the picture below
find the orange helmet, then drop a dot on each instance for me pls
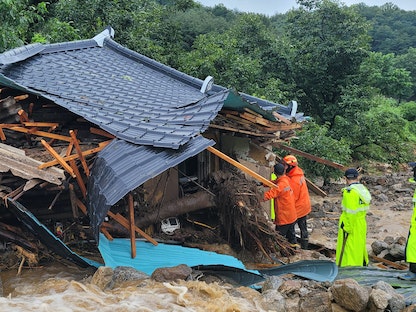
(290, 160)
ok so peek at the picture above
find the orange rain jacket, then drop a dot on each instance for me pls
(284, 202)
(300, 191)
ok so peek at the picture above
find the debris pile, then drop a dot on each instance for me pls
(58, 149)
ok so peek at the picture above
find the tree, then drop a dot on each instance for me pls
(380, 133)
(382, 72)
(233, 58)
(393, 29)
(407, 61)
(138, 24)
(329, 42)
(17, 19)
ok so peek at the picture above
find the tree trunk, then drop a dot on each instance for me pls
(192, 202)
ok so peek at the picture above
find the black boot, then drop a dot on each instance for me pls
(304, 243)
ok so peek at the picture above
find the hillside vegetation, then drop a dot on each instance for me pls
(351, 69)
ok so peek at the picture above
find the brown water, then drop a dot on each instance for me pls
(60, 288)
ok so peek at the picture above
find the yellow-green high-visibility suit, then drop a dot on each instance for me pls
(273, 177)
(352, 227)
(411, 240)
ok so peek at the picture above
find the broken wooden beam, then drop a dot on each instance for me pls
(263, 135)
(79, 152)
(102, 133)
(312, 157)
(281, 118)
(37, 132)
(389, 263)
(75, 156)
(60, 159)
(235, 163)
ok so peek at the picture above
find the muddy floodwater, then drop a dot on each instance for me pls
(59, 288)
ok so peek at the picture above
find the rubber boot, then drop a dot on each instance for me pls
(304, 243)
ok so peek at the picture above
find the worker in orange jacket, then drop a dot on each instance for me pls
(301, 194)
(284, 204)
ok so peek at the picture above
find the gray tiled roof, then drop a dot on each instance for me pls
(127, 94)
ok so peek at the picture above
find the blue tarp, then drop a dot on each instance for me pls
(150, 257)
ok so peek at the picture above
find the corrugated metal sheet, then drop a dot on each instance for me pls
(122, 167)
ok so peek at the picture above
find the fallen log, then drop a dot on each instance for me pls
(193, 202)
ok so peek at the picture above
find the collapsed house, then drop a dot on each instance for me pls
(100, 138)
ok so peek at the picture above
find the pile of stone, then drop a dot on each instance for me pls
(278, 293)
(390, 248)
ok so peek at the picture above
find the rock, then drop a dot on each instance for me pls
(338, 308)
(107, 278)
(401, 240)
(290, 288)
(378, 246)
(396, 302)
(181, 271)
(274, 300)
(378, 300)
(389, 240)
(411, 308)
(317, 301)
(272, 282)
(397, 251)
(103, 277)
(382, 197)
(350, 295)
(292, 304)
(123, 274)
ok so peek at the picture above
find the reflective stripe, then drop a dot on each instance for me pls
(355, 211)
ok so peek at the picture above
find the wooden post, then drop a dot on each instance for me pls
(132, 230)
(73, 199)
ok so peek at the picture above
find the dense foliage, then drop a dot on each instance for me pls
(351, 69)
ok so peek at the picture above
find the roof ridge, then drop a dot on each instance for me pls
(20, 53)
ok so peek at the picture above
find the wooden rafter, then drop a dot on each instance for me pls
(79, 152)
(36, 132)
(75, 156)
(264, 135)
(102, 133)
(58, 158)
